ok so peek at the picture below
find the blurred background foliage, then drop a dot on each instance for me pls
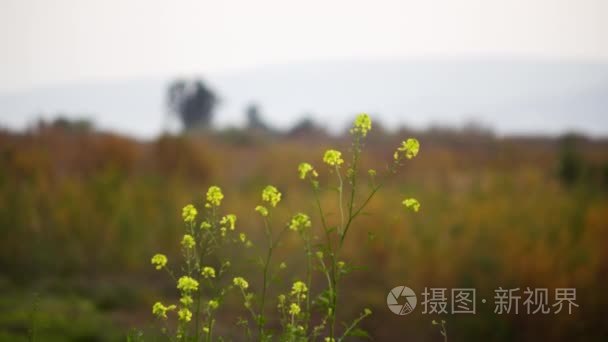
(82, 212)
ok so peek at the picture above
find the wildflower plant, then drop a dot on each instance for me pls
(203, 238)
(328, 254)
(296, 305)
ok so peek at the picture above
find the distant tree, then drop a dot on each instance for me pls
(254, 118)
(571, 164)
(65, 124)
(192, 102)
(306, 127)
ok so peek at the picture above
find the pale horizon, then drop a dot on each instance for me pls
(74, 45)
(46, 43)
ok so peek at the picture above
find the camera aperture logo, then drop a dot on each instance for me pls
(401, 300)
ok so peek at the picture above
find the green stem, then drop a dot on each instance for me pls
(352, 326)
(340, 188)
(358, 211)
(260, 322)
(308, 278)
(200, 256)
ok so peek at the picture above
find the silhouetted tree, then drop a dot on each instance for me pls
(306, 127)
(254, 118)
(192, 102)
(571, 164)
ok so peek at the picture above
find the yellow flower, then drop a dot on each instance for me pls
(214, 195)
(294, 309)
(305, 168)
(408, 148)
(240, 282)
(271, 195)
(213, 304)
(281, 298)
(411, 203)
(188, 241)
(187, 284)
(230, 220)
(160, 260)
(208, 272)
(363, 123)
(333, 158)
(184, 315)
(189, 213)
(299, 222)
(160, 310)
(186, 300)
(298, 288)
(242, 237)
(262, 210)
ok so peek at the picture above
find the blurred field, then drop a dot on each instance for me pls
(81, 213)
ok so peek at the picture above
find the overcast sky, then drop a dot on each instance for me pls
(53, 42)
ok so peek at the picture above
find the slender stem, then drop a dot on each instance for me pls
(209, 328)
(308, 277)
(340, 188)
(358, 211)
(248, 308)
(323, 222)
(331, 276)
(353, 188)
(198, 277)
(352, 326)
(265, 280)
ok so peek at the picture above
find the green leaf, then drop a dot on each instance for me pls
(358, 332)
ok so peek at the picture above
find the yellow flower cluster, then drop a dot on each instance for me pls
(187, 284)
(281, 298)
(408, 148)
(298, 289)
(186, 300)
(159, 260)
(188, 241)
(363, 124)
(262, 210)
(213, 304)
(229, 220)
(305, 168)
(333, 158)
(214, 196)
(240, 282)
(271, 195)
(184, 314)
(299, 222)
(411, 203)
(294, 309)
(208, 272)
(189, 213)
(160, 310)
